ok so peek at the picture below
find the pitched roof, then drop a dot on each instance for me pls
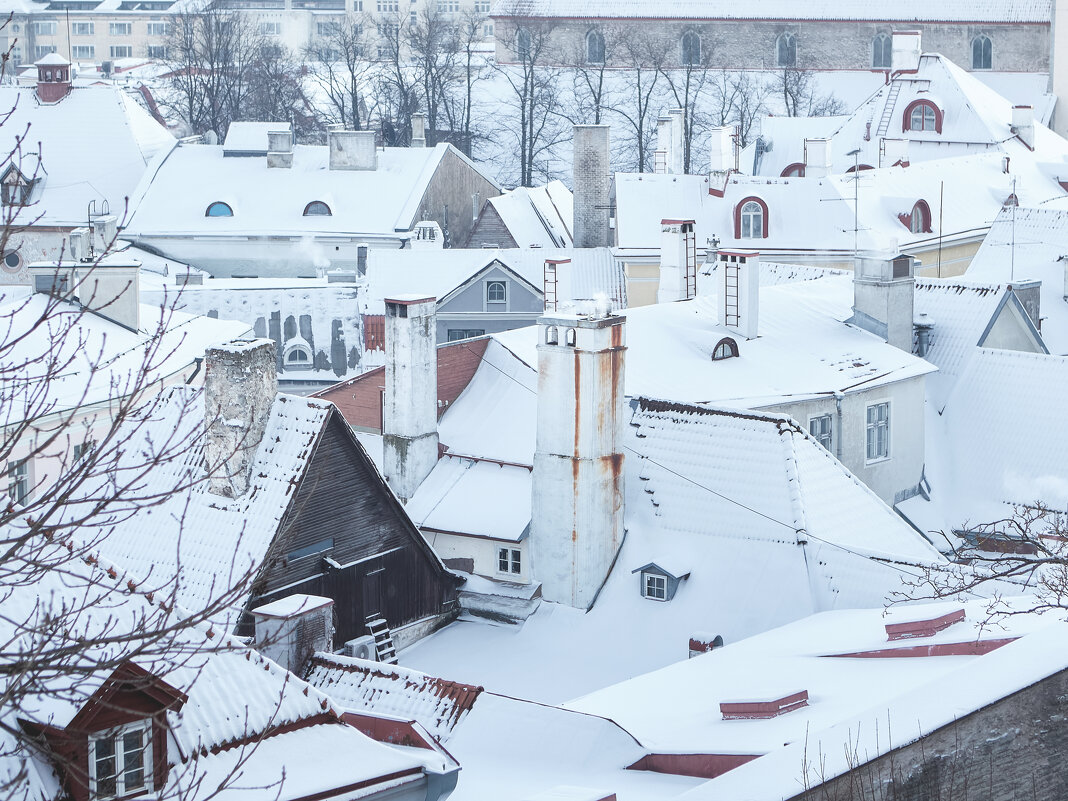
(537, 217)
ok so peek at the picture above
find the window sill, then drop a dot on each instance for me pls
(880, 460)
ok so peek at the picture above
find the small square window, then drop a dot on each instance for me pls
(509, 560)
(654, 586)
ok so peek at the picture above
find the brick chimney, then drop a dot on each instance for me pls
(240, 385)
(577, 495)
(592, 187)
(53, 78)
(738, 283)
(678, 261)
(410, 409)
(883, 297)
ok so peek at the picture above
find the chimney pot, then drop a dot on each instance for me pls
(419, 130)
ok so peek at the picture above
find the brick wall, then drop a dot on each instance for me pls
(591, 186)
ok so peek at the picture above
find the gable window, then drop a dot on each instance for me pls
(982, 52)
(509, 561)
(594, 48)
(654, 586)
(751, 219)
(317, 209)
(496, 292)
(881, 49)
(120, 761)
(726, 348)
(922, 115)
(18, 481)
(691, 49)
(786, 50)
(219, 209)
(878, 431)
(820, 429)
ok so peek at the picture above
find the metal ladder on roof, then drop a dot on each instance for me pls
(691, 261)
(549, 286)
(888, 109)
(730, 294)
(384, 647)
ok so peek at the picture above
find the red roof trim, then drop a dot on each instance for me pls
(923, 628)
(763, 710)
(976, 648)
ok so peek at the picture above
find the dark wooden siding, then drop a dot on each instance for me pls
(489, 230)
(343, 498)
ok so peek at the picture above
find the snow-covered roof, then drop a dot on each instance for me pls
(250, 138)
(95, 145)
(540, 216)
(1035, 11)
(174, 198)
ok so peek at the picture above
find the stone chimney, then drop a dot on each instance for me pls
(738, 284)
(577, 495)
(721, 149)
(894, 151)
(53, 78)
(883, 297)
(676, 156)
(592, 187)
(280, 149)
(419, 130)
(352, 150)
(1023, 125)
(678, 261)
(291, 630)
(817, 158)
(410, 407)
(905, 51)
(240, 385)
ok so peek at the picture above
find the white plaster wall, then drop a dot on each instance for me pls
(484, 554)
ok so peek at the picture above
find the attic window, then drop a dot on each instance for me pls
(219, 209)
(751, 219)
(317, 209)
(922, 115)
(919, 219)
(795, 170)
(726, 348)
(120, 762)
(654, 586)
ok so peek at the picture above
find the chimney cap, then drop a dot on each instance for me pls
(52, 60)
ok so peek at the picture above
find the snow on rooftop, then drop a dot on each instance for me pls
(537, 217)
(251, 137)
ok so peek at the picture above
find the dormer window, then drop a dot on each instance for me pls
(317, 209)
(795, 170)
(15, 188)
(658, 583)
(726, 348)
(918, 221)
(219, 209)
(922, 115)
(655, 585)
(751, 219)
(120, 761)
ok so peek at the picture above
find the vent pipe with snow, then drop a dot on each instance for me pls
(738, 284)
(410, 406)
(240, 385)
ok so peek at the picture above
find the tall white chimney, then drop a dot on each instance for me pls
(240, 385)
(721, 149)
(1023, 125)
(905, 49)
(662, 158)
(592, 187)
(352, 150)
(410, 408)
(678, 261)
(577, 516)
(676, 156)
(738, 284)
(817, 158)
(419, 130)
(883, 296)
(1058, 66)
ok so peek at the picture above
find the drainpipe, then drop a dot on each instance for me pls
(838, 438)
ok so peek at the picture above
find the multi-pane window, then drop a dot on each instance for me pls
(496, 292)
(44, 28)
(120, 762)
(158, 51)
(820, 428)
(158, 29)
(878, 431)
(120, 28)
(786, 50)
(83, 51)
(83, 449)
(385, 6)
(922, 118)
(357, 6)
(508, 561)
(456, 334)
(271, 28)
(881, 52)
(982, 52)
(82, 28)
(482, 6)
(448, 6)
(654, 586)
(326, 28)
(487, 30)
(121, 51)
(18, 481)
(40, 51)
(691, 49)
(752, 220)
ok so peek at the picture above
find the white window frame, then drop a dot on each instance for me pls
(872, 452)
(654, 586)
(752, 211)
(117, 735)
(270, 28)
(158, 51)
(159, 28)
(492, 304)
(120, 28)
(821, 435)
(82, 29)
(927, 118)
(482, 6)
(19, 481)
(509, 561)
(121, 51)
(40, 51)
(83, 51)
(44, 28)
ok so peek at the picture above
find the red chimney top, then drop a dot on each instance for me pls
(53, 78)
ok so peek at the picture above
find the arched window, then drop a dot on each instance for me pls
(570, 337)
(795, 170)
(594, 48)
(922, 115)
(860, 168)
(691, 48)
(751, 219)
(522, 44)
(552, 335)
(317, 209)
(918, 221)
(297, 354)
(881, 48)
(219, 209)
(726, 348)
(982, 53)
(786, 50)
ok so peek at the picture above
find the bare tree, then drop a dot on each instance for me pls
(688, 85)
(277, 92)
(340, 63)
(800, 97)
(644, 57)
(589, 62)
(397, 88)
(458, 103)
(739, 99)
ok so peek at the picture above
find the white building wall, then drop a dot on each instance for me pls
(484, 554)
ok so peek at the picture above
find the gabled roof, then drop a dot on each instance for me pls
(537, 217)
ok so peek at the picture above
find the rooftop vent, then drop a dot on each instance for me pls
(923, 628)
(763, 710)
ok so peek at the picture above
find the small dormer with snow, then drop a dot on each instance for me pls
(660, 583)
(115, 745)
(18, 182)
(53, 78)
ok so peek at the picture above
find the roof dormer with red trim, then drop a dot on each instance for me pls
(922, 115)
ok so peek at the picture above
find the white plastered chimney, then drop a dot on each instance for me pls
(738, 284)
(678, 261)
(905, 50)
(884, 296)
(817, 158)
